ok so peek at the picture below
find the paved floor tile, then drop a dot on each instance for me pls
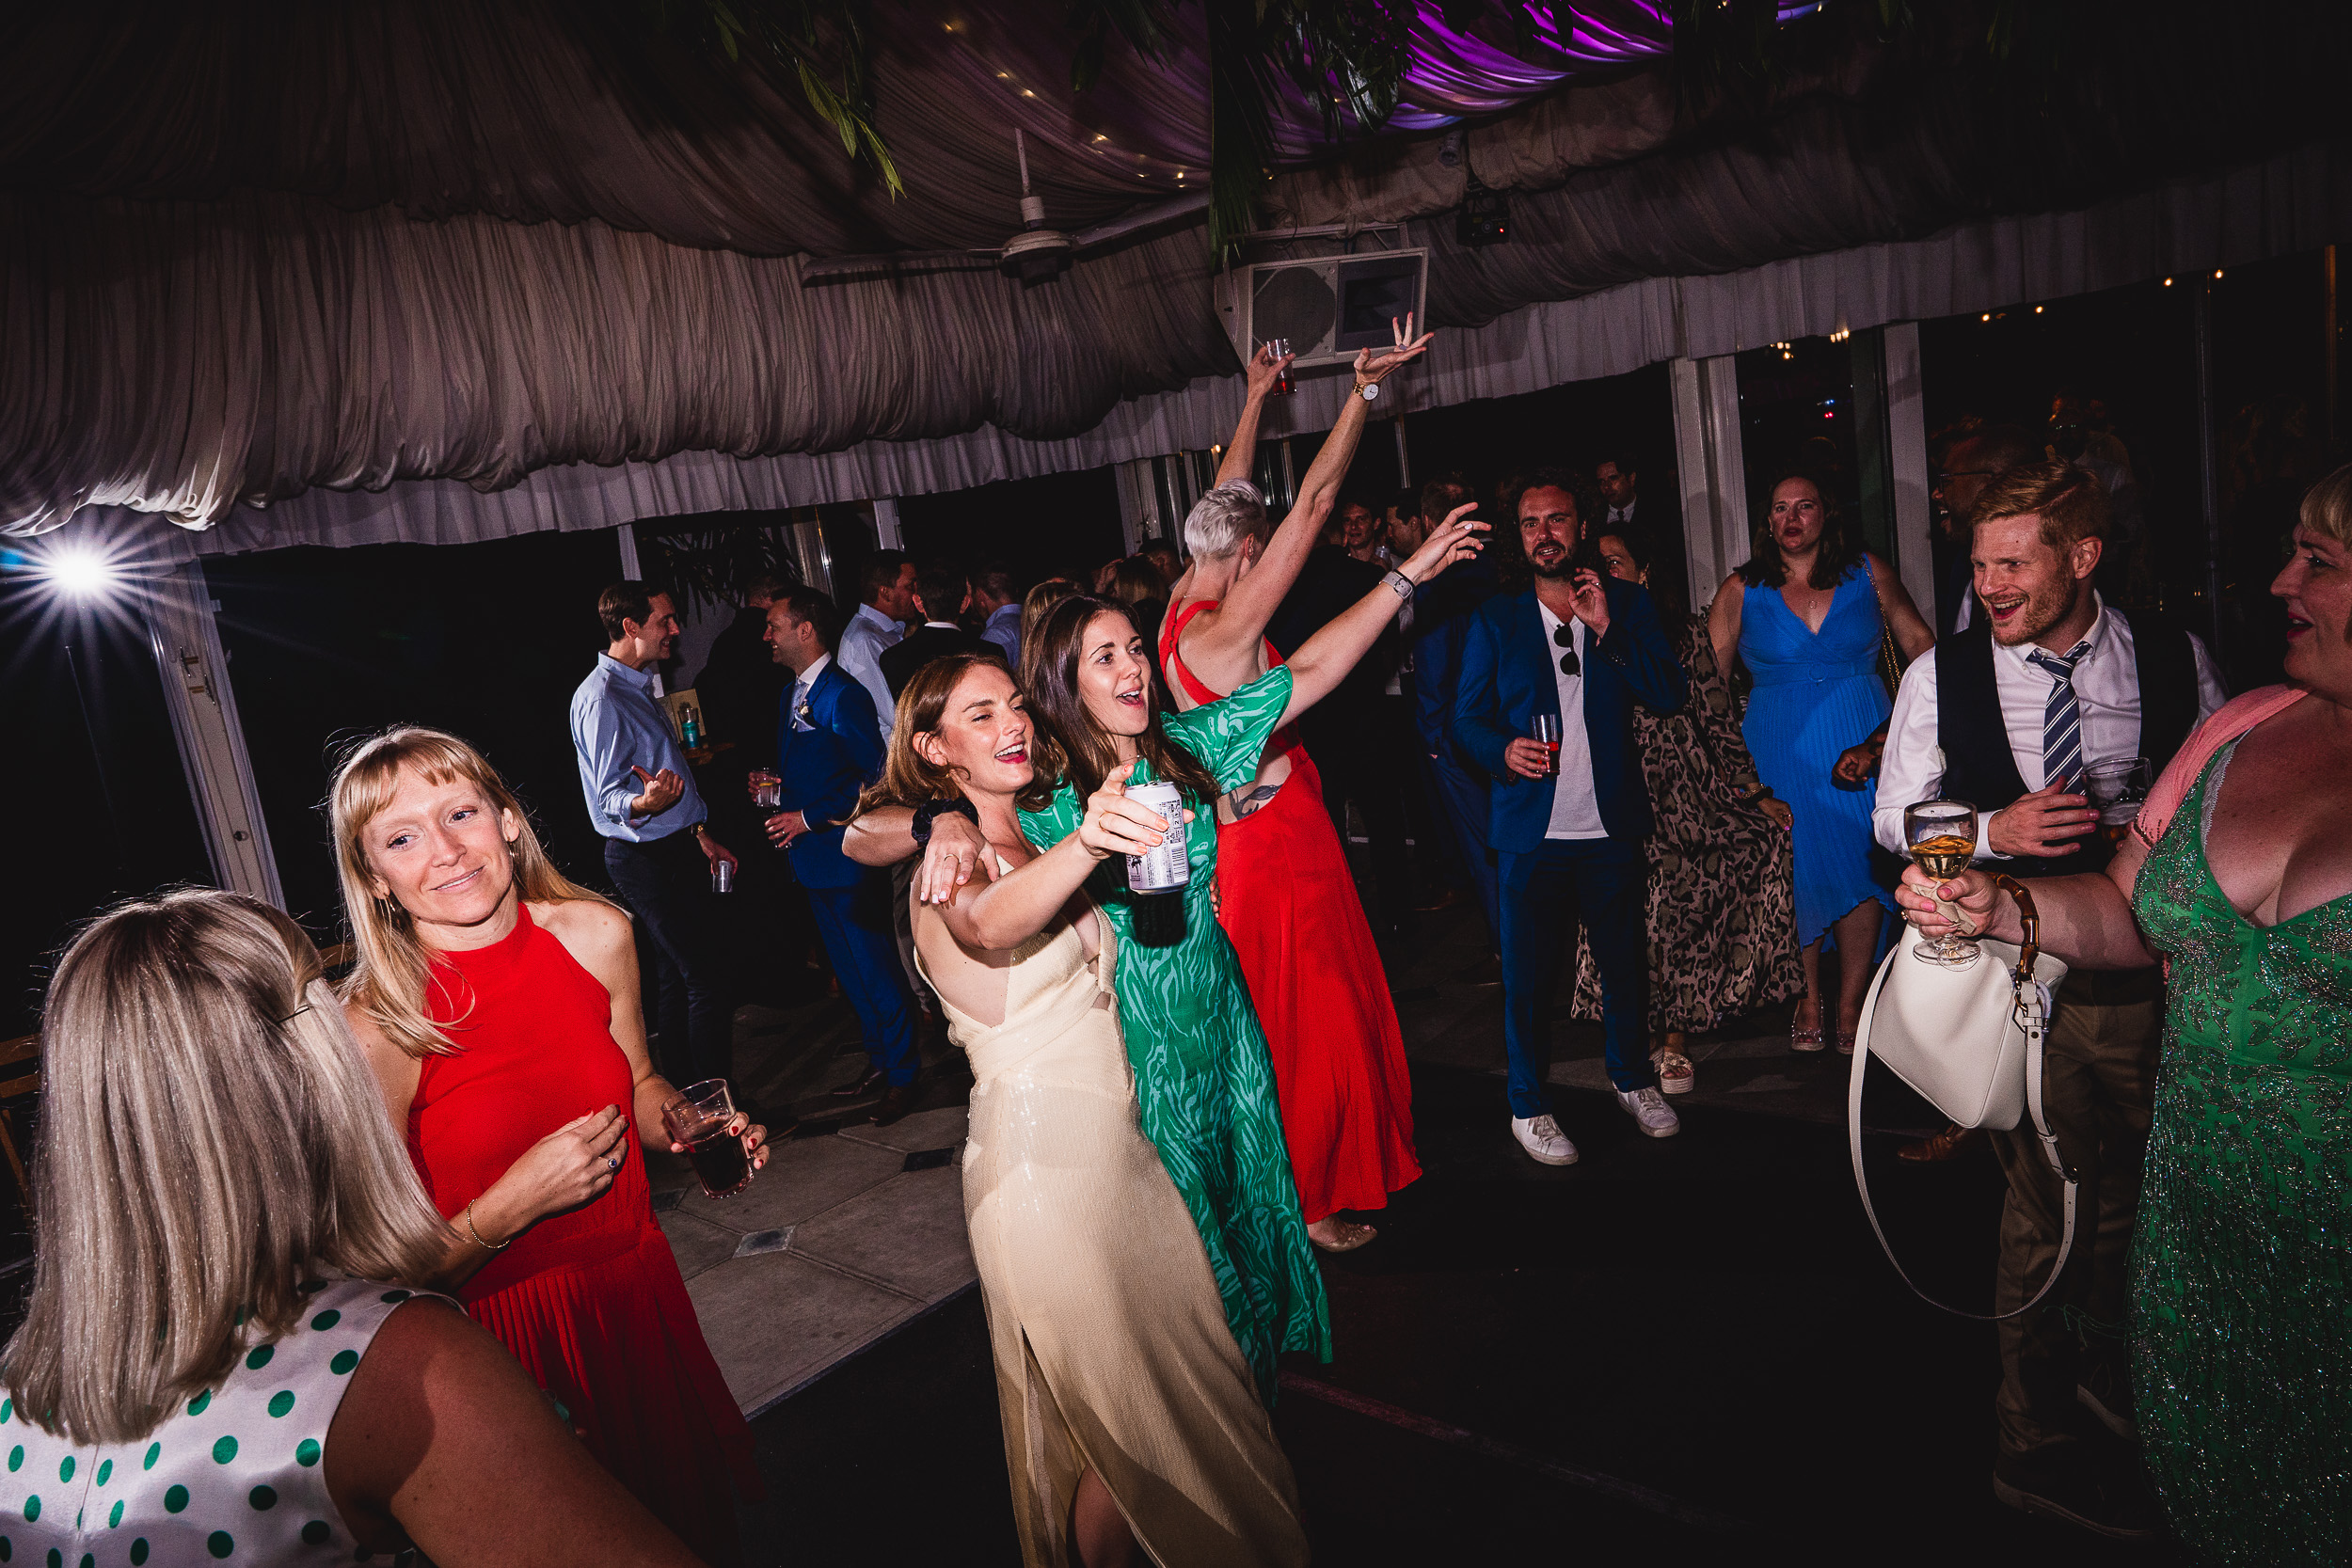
(803, 1176)
(696, 1244)
(776, 1320)
(909, 1232)
(940, 1129)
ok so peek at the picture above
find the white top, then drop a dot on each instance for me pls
(1619, 516)
(868, 633)
(232, 1475)
(2107, 694)
(802, 684)
(1575, 804)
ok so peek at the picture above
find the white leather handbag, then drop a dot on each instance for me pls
(1970, 1041)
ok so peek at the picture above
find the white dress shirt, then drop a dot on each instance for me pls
(2107, 692)
(862, 639)
(1575, 802)
(1622, 516)
(803, 684)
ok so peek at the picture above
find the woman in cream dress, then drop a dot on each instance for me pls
(1132, 1426)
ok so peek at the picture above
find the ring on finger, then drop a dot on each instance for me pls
(610, 1164)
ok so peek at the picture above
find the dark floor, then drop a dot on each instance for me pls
(1681, 1351)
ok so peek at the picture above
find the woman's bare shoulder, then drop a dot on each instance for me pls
(596, 934)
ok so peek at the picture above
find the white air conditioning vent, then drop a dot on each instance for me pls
(1326, 306)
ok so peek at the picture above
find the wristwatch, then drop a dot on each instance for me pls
(929, 811)
(1370, 390)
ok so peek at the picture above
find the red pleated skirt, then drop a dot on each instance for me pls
(616, 1342)
(1288, 902)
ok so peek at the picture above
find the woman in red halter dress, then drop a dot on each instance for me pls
(1284, 893)
(508, 1072)
(1289, 904)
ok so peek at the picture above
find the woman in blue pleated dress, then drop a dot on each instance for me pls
(1806, 615)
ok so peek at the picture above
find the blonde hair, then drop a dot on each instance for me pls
(389, 985)
(210, 1134)
(2328, 507)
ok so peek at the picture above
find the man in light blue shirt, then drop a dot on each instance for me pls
(993, 597)
(640, 795)
(878, 623)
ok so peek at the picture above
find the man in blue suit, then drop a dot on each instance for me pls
(1581, 648)
(829, 746)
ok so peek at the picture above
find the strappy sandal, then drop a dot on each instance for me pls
(1804, 1040)
(1845, 1042)
(1675, 1073)
(1352, 1236)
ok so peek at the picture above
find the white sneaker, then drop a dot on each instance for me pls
(1650, 1112)
(1544, 1141)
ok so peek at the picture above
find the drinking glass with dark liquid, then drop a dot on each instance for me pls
(1942, 836)
(702, 1118)
(1545, 727)
(2119, 787)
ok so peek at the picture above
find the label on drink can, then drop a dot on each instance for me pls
(723, 876)
(1167, 866)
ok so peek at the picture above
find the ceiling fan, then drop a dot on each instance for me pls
(1036, 254)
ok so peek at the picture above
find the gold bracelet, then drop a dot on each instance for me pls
(467, 1214)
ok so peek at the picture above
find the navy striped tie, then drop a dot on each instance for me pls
(2061, 719)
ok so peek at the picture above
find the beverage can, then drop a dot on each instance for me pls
(1167, 866)
(723, 876)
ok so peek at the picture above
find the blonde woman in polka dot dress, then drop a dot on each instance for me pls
(211, 1369)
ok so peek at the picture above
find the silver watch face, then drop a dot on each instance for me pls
(1372, 392)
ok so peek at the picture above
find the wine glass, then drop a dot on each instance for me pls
(1942, 835)
(2119, 787)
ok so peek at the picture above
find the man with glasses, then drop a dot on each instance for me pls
(1579, 649)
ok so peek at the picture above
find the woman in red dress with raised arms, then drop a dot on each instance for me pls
(497, 1005)
(1285, 895)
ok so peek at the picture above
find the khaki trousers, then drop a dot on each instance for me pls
(2098, 1077)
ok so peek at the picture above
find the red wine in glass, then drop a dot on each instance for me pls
(720, 1162)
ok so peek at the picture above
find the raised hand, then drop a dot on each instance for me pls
(1372, 369)
(662, 790)
(1589, 601)
(1265, 369)
(1451, 541)
(1114, 825)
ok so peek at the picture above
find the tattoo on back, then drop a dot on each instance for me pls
(1250, 799)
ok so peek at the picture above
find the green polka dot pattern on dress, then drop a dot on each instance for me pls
(223, 1469)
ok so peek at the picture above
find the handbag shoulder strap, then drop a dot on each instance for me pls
(2032, 1017)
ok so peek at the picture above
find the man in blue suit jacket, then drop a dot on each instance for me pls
(1584, 648)
(829, 747)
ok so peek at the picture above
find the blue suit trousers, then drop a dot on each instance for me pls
(867, 961)
(1459, 796)
(1602, 882)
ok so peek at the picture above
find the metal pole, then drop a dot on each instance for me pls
(2327, 338)
(98, 757)
(2208, 467)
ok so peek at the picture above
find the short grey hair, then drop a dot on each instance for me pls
(1223, 518)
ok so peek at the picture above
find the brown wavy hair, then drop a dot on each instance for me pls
(908, 778)
(1069, 745)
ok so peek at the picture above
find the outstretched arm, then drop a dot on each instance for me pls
(1324, 658)
(2086, 920)
(1009, 911)
(1241, 454)
(1220, 645)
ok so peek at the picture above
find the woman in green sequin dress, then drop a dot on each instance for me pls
(2242, 1259)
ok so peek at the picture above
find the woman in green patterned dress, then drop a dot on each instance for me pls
(1203, 1081)
(2240, 875)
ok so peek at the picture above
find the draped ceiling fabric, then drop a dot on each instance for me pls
(447, 269)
